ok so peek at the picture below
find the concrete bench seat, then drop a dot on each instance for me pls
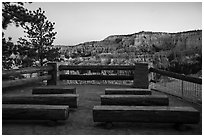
(135, 100)
(53, 90)
(34, 112)
(42, 99)
(127, 91)
(146, 114)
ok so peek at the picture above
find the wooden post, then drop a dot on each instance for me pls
(182, 88)
(141, 76)
(53, 73)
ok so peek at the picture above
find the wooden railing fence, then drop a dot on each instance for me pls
(50, 68)
(181, 85)
(185, 87)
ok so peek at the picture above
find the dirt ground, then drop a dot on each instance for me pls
(80, 121)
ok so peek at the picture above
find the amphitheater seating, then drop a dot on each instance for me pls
(127, 91)
(34, 112)
(146, 114)
(139, 105)
(53, 90)
(42, 99)
(135, 100)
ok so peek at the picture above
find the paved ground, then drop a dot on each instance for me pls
(80, 120)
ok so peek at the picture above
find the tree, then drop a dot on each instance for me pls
(14, 12)
(27, 53)
(40, 35)
(7, 47)
(37, 47)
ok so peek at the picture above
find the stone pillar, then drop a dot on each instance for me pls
(53, 73)
(141, 76)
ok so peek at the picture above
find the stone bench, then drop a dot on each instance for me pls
(146, 114)
(53, 90)
(42, 99)
(34, 112)
(127, 91)
(135, 100)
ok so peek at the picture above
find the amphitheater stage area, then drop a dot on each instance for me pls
(80, 121)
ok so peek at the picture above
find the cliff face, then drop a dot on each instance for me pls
(175, 51)
(149, 42)
(161, 41)
(179, 44)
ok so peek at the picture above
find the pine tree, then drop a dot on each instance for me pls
(14, 12)
(40, 35)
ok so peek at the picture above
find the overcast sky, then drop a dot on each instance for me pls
(82, 22)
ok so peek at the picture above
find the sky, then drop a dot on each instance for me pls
(88, 21)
